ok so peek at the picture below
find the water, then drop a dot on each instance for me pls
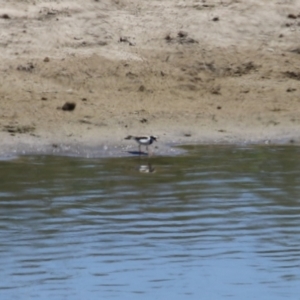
(221, 222)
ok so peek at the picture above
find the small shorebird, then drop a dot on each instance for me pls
(142, 140)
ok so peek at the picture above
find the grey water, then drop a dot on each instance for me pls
(219, 222)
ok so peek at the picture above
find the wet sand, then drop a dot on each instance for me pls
(189, 72)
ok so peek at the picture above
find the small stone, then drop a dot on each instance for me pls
(69, 106)
(182, 34)
(142, 88)
(5, 16)
(289, 90)
(168, 37)
(292, 16)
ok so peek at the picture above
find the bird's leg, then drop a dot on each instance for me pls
(140, 151)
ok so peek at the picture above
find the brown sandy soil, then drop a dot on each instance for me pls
(222, 71)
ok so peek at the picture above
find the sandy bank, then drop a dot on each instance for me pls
(187, 71)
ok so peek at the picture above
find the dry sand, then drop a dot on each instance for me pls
(187, 71)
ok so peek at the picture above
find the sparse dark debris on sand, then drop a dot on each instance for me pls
(13, 129)
(69, 106)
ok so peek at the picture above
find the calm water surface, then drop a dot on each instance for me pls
(221, 222)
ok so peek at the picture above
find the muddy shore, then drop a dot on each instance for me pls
(189, 72)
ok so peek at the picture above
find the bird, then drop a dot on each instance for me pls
(143, 140)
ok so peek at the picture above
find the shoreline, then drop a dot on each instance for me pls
(173, 146)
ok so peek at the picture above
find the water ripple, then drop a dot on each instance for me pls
(201, 226)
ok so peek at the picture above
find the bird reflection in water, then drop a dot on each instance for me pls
(146, 168)
(144, 165)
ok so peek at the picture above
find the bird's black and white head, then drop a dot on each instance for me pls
(153, 138)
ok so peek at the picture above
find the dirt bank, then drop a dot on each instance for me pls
(186, 71)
